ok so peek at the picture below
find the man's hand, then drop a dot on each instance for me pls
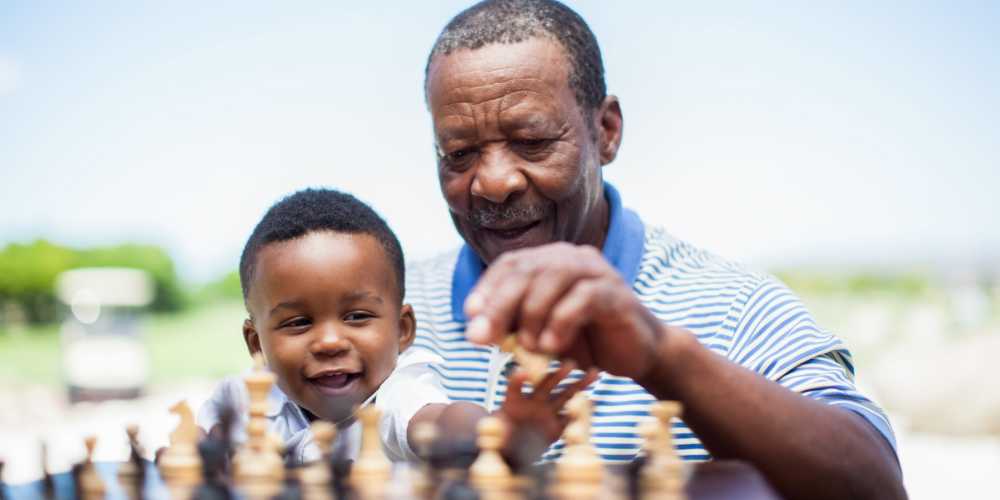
(534, 421)
(568, 301)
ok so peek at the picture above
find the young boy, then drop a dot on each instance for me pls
(323, 283)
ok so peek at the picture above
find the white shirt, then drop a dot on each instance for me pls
(405, 392)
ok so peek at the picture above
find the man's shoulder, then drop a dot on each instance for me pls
(669, 261)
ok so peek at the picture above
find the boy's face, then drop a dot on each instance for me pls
(326, 314)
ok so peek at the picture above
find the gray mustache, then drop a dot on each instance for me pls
(492, 215)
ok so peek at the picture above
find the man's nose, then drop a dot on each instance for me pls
(328, 340)
(498, 176)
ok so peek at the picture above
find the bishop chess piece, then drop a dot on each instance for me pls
(579, 474)
(91, 485)
(371, 473)
(662, 478)
(489, 473)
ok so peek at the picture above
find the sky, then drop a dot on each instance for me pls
(777, 133)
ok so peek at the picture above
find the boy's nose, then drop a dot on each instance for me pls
(329, 342)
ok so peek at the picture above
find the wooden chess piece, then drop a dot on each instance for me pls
(579, 473)
(489, 473)
(132, 472)
(662, 478)
(91, 485)
(3, 485)
(534, 364)
(258, 468)
(180, 464)
(315, 478)
(372, 471)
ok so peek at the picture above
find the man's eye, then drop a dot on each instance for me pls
(459, 159)
(531, 146)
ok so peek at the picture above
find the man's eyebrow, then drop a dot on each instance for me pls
(291, 304)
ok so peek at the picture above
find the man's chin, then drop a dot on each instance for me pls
(491, 244)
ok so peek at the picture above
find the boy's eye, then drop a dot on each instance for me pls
(358, 316)
(295, 323)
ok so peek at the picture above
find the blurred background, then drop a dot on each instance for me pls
(849, 148)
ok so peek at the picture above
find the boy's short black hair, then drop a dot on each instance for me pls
(319, 210)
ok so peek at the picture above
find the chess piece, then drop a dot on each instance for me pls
(372, 471)
(535, 364)
(315, 478)
(132, 472)
(424, 436)
(258, 468)
(91, 485)
(3, 485)
(48, 484)
(180, 465)
(662, 478)
(580, 472)
(489, 473)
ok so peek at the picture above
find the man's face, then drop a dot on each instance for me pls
(519, 165)
(327, 316)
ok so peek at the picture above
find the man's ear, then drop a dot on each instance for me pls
(407, 327)
(251, 337)
(609, 123)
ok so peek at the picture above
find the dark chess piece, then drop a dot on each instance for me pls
(340, 471)
(3, 485)
(634, 477)
(48, 485)
(292, 490)
(459, 490)
(213, 462)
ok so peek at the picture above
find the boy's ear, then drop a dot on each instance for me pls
(251, 337)
(407, 327)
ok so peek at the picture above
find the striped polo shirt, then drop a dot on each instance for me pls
(751, 319)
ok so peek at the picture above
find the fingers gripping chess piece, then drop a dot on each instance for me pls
(580, 472)
(91, 484)
(180, 464)
(536, 365)
(663, 476)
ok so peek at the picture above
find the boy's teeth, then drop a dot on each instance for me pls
(337, 380)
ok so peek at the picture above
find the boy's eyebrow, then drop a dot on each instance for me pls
(294, 304)
(363, 294)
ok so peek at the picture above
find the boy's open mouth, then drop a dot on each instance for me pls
(335, 383)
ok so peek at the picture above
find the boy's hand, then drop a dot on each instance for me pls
(536, 420)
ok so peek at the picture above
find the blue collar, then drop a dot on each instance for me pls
(623, 248)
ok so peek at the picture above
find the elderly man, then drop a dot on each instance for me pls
(523, 128)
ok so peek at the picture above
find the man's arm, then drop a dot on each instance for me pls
(567, 300)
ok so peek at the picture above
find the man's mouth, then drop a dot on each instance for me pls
(511, 233)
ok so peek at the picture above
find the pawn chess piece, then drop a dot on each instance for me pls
(580, 472)
(258, 468)
(372, 471)
(489, 473)
(315, 478)
(662, 478)
(91, 485)
(180, 465)
(132, 472)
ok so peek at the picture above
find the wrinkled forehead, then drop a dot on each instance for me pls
(494, 71)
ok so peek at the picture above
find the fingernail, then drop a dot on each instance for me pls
(473, 304)
(478, 329)
(547, 341)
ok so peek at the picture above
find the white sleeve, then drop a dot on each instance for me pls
(401, 396)
(230, 392)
